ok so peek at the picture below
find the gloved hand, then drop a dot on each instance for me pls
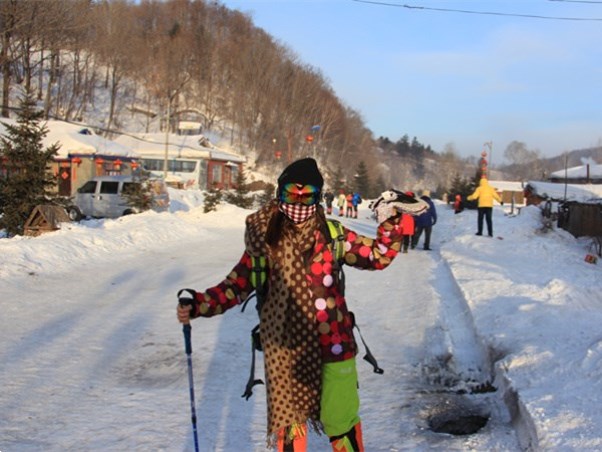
(187, 303)
(391, 202)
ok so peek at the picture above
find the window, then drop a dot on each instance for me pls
(182, 166)
(152, 164)
(234, 173)
(216, 174)
(179, 166)
(109, 188)
(88, 187)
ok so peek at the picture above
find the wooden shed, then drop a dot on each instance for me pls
(45, 218)
(581, 219)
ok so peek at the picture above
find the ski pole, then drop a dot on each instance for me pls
(186, 328)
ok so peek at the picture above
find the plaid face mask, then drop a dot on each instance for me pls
(298, 213)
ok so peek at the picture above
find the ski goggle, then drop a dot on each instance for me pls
(299, 194)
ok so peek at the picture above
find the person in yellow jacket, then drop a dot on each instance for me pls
(485, 193)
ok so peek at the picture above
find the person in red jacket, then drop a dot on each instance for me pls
(408, 225)
(306, 327)
(458, 203)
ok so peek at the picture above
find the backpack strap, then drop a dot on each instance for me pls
(369, 357)
(258, 279)
(252, 381)
(337, 236)
(337, 240)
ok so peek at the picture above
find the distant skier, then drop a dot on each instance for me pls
(425, 222)
(408, 225)
(356, 200)
(458, 204)
(349, 209)
(341, 202)
(328, 199)
(485, 193)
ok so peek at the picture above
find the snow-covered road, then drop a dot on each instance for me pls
(93, 358)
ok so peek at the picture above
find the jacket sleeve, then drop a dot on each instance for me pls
(496, 195)
(474, 195)
(232, 291)
(374, 254)
(433, 212)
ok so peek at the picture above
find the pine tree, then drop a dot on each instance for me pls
(362, 180)
(458, 187)
(139, 194)
(240, 197)
(379, 186)
(267, 195)
(28, 180)
(338, 183)
(212, 199)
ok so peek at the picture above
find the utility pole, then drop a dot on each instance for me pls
(167, 122)
(170, 97)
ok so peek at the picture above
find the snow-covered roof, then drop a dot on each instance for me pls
(506, 185)
(218, 154)
(179, 146)
(153, 145)
(579, 172)
(77, 139)
(574, 192)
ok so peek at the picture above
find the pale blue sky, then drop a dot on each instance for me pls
(450, 77)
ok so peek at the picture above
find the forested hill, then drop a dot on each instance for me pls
(120, 65)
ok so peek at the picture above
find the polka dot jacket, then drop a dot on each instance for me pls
(330, 314)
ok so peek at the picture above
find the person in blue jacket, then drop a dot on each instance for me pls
(425, 222)
(356, 200)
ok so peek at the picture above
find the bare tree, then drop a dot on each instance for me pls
(10, 17)
(526, 163)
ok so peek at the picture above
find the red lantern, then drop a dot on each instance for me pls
(117, 163)
(309, 138)
(278, 154)
(99, 161)
(76, 160)
(135, 165)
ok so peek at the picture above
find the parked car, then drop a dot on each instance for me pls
(107, 197)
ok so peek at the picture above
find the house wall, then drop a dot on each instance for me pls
(507, 195)
(220, 175)
(74, 172)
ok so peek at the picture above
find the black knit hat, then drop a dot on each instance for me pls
(304, 172)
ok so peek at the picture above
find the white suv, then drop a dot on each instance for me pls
(103, 197)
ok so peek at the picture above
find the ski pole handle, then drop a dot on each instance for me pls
(189, 300)
(186, 328)
(187, 342)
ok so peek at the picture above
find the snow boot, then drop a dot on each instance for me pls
(349, 442)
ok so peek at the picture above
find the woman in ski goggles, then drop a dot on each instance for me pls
(307, 195)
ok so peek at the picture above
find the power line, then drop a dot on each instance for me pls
(484, 13)
(575, 1)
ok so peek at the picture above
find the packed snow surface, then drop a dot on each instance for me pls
(92, 356)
